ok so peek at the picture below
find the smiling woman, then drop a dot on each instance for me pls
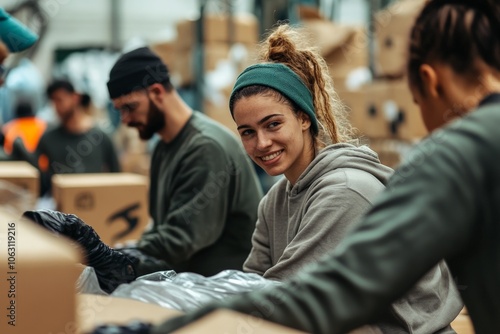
(291, 122)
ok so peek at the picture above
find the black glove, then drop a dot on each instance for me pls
(132, 328)
(112, 267)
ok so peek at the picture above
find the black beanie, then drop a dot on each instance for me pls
(134, 70)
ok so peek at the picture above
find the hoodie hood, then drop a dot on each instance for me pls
(341, 156)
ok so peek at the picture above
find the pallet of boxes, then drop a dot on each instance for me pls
(228, 46)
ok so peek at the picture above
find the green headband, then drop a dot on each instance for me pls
(281, 78)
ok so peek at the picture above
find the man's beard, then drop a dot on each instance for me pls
(155, 122)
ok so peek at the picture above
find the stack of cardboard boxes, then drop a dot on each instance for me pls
(344, 47)
(220, 33)
(383, 110)
(114, 204)
(228, 46)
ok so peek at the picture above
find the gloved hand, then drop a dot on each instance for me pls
(112, 267)
(132, 328)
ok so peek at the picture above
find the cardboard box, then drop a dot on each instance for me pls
(221, 114)
(392, 33)
(344, 47)
(244, 28)
(230, 322)
(94, 310)
(408, 124)
(97, 310)
(184, 61)
(114, 204)
(385, 109)
(39, 271)
(355, 103)
(22, 174)
(166, 51)
(213, 54)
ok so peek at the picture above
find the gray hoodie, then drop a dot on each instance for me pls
(299, 224)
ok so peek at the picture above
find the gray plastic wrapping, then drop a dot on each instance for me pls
(88, 283)
(189, 291)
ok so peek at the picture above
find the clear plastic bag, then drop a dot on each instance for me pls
(189, 291)
(88, 282)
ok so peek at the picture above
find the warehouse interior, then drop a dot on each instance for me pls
(205, 45)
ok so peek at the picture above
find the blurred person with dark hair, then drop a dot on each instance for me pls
(76, 145)
(26, 126)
